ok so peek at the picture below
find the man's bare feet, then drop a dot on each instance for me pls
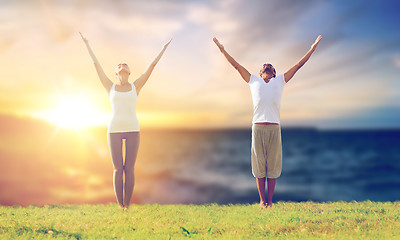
(269, 205)
(263, 205)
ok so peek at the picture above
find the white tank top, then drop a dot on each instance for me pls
(123, 106)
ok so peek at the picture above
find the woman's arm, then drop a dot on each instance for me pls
(107, 83)
(290, 73)
(243, 72)
(139, 83)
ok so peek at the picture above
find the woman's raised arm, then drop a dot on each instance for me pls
(107, 83)
(139, 83)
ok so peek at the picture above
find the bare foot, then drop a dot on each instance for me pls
(121, 206)
(263, 205)
(269, 205)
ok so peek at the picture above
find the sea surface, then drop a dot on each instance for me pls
(42, 164)
(208, 166)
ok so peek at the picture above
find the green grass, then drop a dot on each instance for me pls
(286, 220)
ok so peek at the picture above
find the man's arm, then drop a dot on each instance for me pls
(243, 72)
(139, 83)
(290, 73)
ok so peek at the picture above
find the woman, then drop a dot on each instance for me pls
(266, 147)
(124, 123)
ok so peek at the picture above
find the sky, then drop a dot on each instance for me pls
(351, 80)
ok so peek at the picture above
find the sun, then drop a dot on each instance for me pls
(75, 112)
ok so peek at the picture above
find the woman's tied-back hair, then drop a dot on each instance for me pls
(268, 69)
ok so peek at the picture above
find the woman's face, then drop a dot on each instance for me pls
(122, 68)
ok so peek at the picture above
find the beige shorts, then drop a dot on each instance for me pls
(266, 151)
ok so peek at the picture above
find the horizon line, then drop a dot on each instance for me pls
(212, 128)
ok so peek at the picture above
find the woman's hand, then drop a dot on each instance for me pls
(219, 45)
(84, 39)
(166, 45)
(316, 42)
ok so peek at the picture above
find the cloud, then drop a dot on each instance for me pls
(396, 60)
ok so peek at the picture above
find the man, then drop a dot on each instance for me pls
(266, 146)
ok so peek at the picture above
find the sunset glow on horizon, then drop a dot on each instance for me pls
(74, 112)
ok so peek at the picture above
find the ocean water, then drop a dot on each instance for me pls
(319, 165)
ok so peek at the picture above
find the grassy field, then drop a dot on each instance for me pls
(286, 220)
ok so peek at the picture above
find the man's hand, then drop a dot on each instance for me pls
(316, 42)
(220, 46)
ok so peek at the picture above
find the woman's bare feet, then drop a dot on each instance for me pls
(263, 205)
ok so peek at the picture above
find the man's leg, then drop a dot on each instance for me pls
(261, 190)
(271, 187)
(258, 158)
(274, 160)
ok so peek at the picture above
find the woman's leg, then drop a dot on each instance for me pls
(115, 145)
(132, 146)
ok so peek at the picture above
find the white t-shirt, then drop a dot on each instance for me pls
(266, 98)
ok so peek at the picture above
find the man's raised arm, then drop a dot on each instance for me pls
(290, 73)
(243, 72)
